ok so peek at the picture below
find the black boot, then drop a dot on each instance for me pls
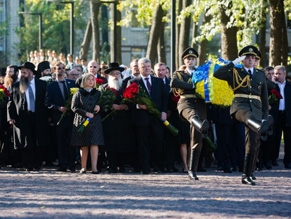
(258, 127)
(191, 171)
(247, 170)
(201, 126)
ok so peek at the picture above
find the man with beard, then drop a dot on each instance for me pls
(120, 147)
(28, 115)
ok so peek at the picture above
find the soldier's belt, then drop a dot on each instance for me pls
(248, 96)
(188, 96)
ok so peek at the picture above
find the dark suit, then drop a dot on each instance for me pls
(283, 124)
(30, 130)
(54, 100)
(150, 128)
(243, 109)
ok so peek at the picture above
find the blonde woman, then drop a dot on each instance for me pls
(84, 106)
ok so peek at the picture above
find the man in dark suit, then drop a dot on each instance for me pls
(134, 73)
(191, 109)
(149, 128)
(58, 94)
(28, 115)
(250, 103)
(283, 119)
(170, 143)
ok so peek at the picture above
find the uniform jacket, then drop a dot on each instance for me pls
(257, 86)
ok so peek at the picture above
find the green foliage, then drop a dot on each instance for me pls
(55, 26)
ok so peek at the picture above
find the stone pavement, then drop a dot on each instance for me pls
(51, 194)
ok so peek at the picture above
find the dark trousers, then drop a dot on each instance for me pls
(150, 144)
(279, 128)
(66, 153)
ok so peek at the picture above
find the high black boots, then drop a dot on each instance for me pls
(201, 126)
(194, 159)
(247, 170)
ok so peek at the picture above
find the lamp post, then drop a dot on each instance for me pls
(71, 22)
(40, 26)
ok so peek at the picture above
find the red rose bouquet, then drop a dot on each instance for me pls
(99, 81)
(136, 94)
(274, 97)
(3, 92)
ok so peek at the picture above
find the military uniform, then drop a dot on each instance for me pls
(191, 109)
(250, 104)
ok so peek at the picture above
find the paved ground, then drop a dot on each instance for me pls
(51, 194)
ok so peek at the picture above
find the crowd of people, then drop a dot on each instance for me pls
(55, 116)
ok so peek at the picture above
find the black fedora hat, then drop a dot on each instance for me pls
(43, 66)
(189, 52)
(113, 66)
(28, 65)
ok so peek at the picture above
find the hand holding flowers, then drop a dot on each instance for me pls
(136, 94)
(274, 97)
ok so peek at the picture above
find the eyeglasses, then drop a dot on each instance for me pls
(59, 68)
(92, 66)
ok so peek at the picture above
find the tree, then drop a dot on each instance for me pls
(184, 32)
(94, 13)
(84, 48)
(278, 52)
(154, 34)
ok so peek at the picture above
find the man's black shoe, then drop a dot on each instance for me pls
(247, 180)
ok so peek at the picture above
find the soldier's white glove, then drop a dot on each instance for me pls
(239, 59)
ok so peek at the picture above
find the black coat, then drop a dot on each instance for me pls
(17, 110)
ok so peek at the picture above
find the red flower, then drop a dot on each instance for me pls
(7, 93)
(112, 89)
(99, 81)
(276, 93)
(131, 91)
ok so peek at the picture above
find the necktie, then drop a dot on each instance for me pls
(250, 73)
(31, 99)
(66, 93)
(149, 86)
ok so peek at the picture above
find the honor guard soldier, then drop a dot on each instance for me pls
(250, 104)
(191, 108)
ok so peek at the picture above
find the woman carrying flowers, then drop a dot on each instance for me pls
(84, 106)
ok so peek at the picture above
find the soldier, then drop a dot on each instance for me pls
(250, 103)
(191, 108)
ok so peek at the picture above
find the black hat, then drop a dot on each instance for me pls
(113, 66)
(259, 55)
(189, 52)
(249, 50)
(28, 65)
(43, 66)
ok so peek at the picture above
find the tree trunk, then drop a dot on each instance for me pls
(94, 13)
(115, 39)
(262, 31)
(84, 49)
(161, 48)
(278, 34)
(154, 34)
(203, 45)
(104, 32)
(184, 31)
(229, 49)
(178, 27)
